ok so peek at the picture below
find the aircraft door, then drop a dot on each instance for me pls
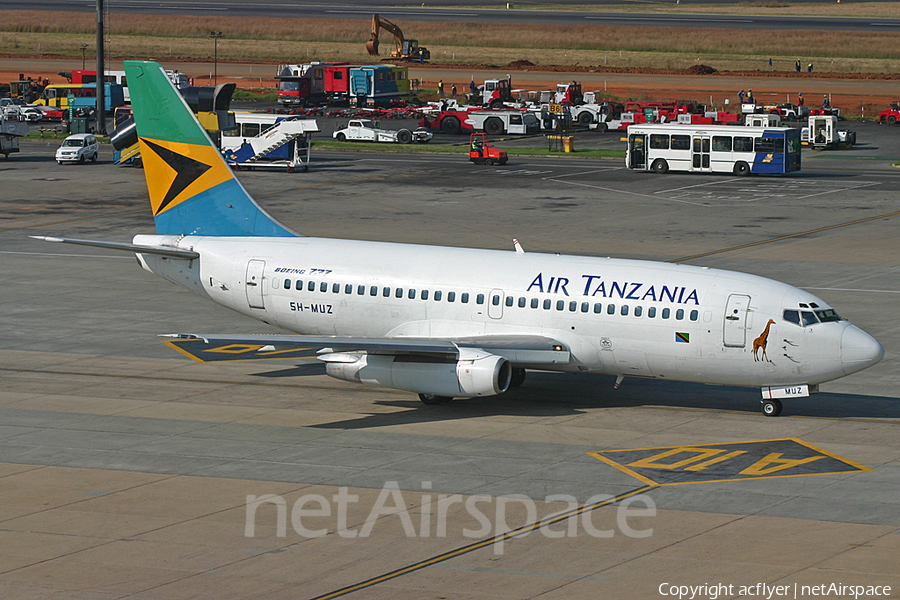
(700, 153)
(495, 304)
(254, 283)
(637, 151)
(735, 328)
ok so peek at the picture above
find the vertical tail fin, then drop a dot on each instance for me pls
(192, 190)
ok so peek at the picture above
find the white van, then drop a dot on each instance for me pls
(78, 148)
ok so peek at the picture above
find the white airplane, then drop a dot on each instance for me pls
(450, 322)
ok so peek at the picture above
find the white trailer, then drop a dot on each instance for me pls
(498, 122)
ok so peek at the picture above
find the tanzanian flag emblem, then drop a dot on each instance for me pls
(682, 338)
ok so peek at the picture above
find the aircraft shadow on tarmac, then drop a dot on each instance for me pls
(555, 395)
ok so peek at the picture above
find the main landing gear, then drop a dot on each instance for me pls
(771, 407)
(432, 399)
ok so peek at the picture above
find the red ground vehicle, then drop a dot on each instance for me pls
(310, 84)
(890, 116)
(482, 153)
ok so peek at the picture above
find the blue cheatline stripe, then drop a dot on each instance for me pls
(224, 210)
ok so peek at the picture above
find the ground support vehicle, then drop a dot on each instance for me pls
(337, 83)
(366, 130)
(10, 132)
(891, 115)
(494, 122)
(17, 109)
(788, 111)
(268, 141)
(483, 153)
(124, 140)
(569, 93)
(373, 85)
(822, 132)
(301, 84)
(733, 149)
(494, 93)
(83, 96)
(588, 114)
(766, 120)
(27, 88)
(210, 103)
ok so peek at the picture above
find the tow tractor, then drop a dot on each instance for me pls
(482, 153)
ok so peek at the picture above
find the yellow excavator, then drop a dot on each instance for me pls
(404, 49)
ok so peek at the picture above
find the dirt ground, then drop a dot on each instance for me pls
(858, 95)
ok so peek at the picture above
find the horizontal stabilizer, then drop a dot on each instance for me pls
(136, 248)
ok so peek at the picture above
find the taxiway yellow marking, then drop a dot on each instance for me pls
(760, 459)
(479, 545)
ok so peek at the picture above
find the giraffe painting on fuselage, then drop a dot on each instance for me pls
(761, 341)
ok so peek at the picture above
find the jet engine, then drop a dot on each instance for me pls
(473, 373)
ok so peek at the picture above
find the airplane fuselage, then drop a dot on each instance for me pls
(618, 317)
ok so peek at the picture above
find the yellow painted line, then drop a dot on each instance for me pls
(598, 454)
(833, 455)
(478, 545)
(785, 237)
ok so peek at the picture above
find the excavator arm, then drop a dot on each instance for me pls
(377, 25)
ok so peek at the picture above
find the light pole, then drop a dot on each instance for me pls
(215, 35)
(83, 48)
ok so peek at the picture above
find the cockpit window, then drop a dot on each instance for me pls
(828, 315)
(792, 316)
(808, 318)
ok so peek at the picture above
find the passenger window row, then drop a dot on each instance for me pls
(496, 299)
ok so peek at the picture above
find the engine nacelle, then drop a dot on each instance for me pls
(475, 373)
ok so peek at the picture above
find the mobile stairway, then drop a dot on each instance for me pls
(284, 144)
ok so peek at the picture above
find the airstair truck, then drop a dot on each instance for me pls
(268, 141)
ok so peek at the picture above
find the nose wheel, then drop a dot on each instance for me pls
(771, 408)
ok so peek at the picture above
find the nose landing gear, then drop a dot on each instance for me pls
(771, 407)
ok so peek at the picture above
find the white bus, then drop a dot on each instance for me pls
(713, 149)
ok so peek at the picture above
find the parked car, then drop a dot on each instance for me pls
(79, 148)
(15, 108)
(366, 130)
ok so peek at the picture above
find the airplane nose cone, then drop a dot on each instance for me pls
(859, 350)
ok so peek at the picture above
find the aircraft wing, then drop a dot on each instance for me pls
(518, 349)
